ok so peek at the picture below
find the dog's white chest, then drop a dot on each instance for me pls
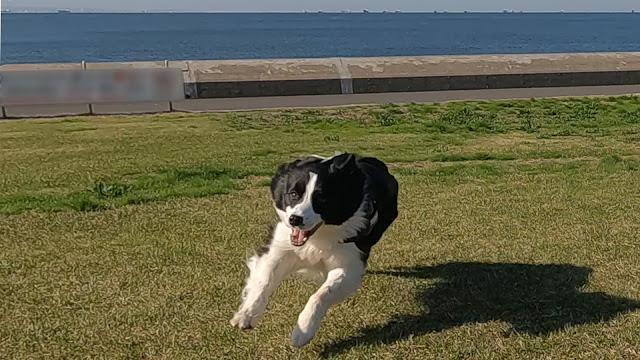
(310, 255)
(314, 256)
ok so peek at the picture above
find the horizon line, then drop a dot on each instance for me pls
(386, 12)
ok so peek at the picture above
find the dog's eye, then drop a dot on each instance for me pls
(294, 195)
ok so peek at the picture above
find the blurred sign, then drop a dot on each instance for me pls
(90, 86)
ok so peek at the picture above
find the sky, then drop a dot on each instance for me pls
(326, 5)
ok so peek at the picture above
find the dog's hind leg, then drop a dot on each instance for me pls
(341, 282)
(266, 273)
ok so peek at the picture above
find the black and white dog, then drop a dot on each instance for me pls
(332, 211)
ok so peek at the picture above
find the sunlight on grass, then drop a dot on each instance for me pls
(127, 236)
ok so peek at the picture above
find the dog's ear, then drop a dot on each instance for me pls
(307, 161)
(344, 163)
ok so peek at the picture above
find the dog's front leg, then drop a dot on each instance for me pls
(266, 273)
(341, 283)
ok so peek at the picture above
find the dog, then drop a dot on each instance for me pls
(331, 212)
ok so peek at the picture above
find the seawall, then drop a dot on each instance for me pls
(208, 79)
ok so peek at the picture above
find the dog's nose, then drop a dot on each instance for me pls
(295, 220)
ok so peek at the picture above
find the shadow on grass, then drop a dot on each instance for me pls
(533, 299)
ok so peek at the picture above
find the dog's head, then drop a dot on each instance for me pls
(315, 191)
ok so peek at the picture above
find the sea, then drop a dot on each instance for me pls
(92, 37)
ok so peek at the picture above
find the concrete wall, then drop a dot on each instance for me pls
(286, 77)
(250, 78)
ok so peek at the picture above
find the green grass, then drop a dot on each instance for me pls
(124, 237)
(198, 181)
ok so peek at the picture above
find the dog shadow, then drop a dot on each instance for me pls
(533, 299)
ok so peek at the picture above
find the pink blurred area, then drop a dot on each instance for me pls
(90, 86)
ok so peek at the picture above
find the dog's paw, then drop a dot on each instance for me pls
(300, 338)
(307, 325)
(244, 320)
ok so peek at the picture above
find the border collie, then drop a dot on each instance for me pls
(331, 212)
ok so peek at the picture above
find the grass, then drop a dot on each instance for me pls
(124, 237)
(198, 181)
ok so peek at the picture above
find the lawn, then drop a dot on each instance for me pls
(124, 237)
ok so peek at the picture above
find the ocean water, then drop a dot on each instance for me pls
(33, 38)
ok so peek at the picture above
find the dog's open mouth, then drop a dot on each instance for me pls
(300, 237)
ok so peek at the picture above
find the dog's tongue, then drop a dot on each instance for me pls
(298, 237)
